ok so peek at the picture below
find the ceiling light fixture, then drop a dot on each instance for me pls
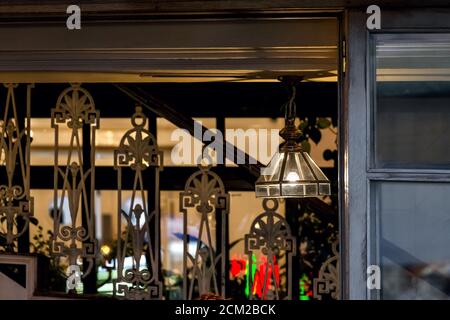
(291, 173)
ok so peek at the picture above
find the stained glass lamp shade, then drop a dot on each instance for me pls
(292, 173)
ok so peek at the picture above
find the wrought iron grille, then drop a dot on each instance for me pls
(138, 151)
(16, 204)
(74, 182)
(204, 272)
(205, 269)
(327, 282)
(270, 235)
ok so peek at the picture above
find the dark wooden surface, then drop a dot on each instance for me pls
(10, 9)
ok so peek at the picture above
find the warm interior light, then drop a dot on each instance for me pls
(105, 250)
(292, 176)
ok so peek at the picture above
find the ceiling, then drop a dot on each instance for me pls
(188, 50)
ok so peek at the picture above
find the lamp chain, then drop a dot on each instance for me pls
(291, 108)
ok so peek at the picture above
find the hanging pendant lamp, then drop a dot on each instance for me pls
(291, 173)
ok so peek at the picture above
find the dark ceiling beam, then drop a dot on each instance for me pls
(116, 8)
(147, 100)
(230, 100)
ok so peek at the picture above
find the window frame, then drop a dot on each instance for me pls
(359, 169)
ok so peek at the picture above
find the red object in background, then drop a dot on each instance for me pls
(258, 282)
(237, 268)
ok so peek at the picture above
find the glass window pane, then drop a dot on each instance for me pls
(412, 99)
(413, 239)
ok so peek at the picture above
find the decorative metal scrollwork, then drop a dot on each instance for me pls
(16, 204)
(270, 235)
(204, 191)
(328, 280)
(74, 182)
(138, 150)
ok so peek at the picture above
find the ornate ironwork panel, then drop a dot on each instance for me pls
(138, 151)
(16, 204)
(270, 236)
(74, 182)
(328, 280)
(205, 269)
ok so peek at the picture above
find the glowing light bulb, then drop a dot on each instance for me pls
(105, 250)
(292, 176)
